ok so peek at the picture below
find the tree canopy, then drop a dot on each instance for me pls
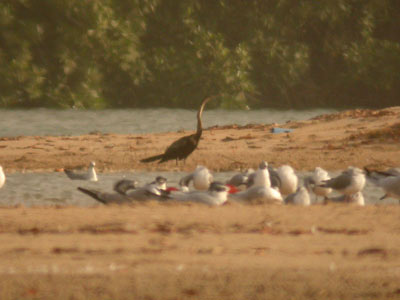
(146, 53)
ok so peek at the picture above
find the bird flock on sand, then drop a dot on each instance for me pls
(263, 185)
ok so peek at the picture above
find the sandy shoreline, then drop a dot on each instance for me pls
(358, 137)
(170, 251)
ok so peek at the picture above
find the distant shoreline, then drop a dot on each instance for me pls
(333, 141)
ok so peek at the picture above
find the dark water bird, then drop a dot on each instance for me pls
(183, 147)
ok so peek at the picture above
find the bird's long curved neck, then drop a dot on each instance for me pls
(199, 114)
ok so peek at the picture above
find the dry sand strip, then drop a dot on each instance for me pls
(171, 251)
(335, 141)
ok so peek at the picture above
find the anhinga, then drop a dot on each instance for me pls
(183, 147)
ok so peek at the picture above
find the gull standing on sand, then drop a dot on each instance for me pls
(300, 197)
(289, 180)
(273, 178)
(260, 177)
(260, 189)
(2, 177)
(201, 178)
(350, 182)
(90, 175)
(217, 194)
(389, 181)
(314, 181)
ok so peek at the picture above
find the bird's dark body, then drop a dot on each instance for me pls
(183, 147)
(180, 149)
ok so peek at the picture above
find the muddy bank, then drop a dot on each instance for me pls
(358, 138)
(169, 251)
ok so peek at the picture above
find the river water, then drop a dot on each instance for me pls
(38, 189)
(32, 189)
(134, 121)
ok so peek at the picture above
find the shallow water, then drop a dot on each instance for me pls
(38, 189)
(135, 121)
(32, 189)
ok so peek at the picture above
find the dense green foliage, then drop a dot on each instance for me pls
(140, 53)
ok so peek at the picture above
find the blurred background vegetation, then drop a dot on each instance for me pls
(172, 53)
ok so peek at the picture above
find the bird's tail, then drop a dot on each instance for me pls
(152, 158)
(93, 194)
